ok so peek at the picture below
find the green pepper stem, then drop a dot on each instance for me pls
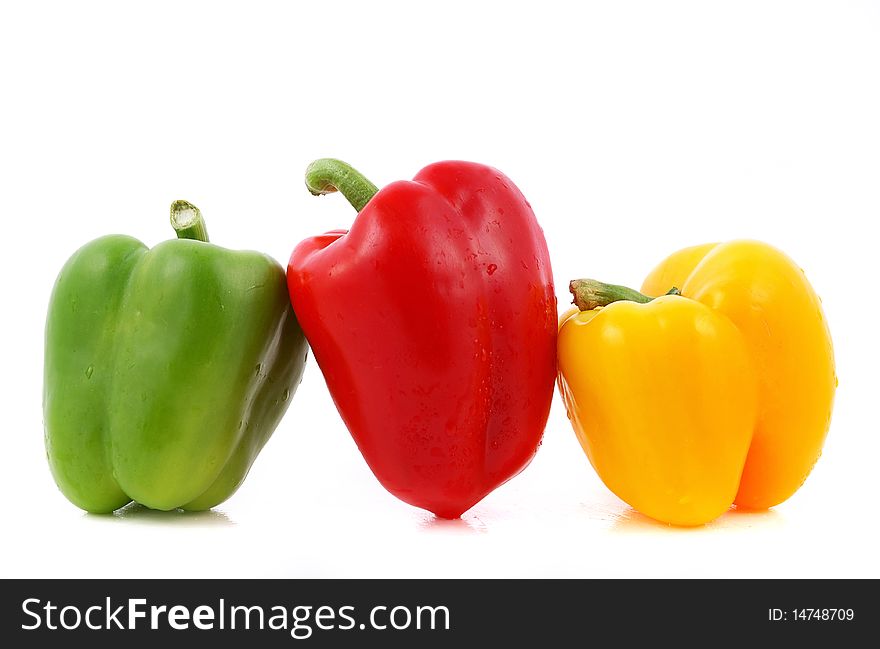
(187, 221)
(590, 294)
(328, 175)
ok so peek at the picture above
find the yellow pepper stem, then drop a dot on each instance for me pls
(590, 294)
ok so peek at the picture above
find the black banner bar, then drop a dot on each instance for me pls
(431, 613)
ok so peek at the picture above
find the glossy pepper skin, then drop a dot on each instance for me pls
(166, 369)
(434, 322)
(680, 421)
(767, 296)
(662, 397)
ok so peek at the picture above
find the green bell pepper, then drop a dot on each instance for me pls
(166, 370)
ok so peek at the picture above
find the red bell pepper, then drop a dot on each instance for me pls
(434, 322)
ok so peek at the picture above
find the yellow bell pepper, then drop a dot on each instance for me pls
(688, 403)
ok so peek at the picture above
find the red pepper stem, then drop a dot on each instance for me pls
(590, 294)
(328, 175)
(187, 221)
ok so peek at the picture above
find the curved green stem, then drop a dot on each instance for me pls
(328, 175)
(187, 221)
(590, 294)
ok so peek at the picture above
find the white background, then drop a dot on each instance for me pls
(634, 128)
